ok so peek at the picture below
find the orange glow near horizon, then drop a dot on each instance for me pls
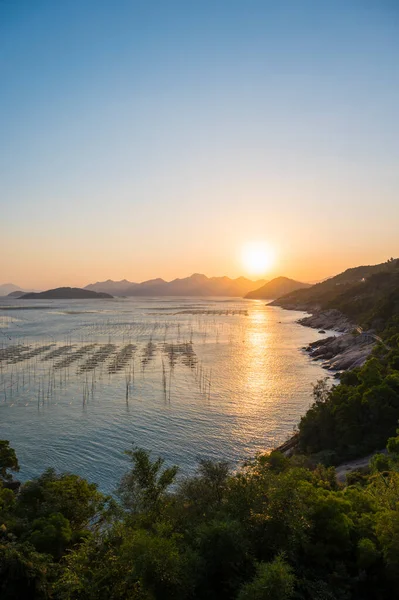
(55, 261)
(258, 258)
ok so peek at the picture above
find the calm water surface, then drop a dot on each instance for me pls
(81, 381)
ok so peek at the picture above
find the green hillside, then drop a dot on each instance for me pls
(369, 295)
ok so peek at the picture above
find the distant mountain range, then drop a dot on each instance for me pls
(7, 288)
(64, 293)
(195, 285)
(277, 287)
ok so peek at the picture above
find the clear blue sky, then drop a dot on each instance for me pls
(143, 139)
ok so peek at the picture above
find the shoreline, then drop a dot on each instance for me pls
(343, 352)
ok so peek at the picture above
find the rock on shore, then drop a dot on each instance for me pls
(342, 352)
(328, 319)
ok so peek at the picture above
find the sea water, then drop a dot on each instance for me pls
(81, 381)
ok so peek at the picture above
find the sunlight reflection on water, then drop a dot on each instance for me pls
(206, 379)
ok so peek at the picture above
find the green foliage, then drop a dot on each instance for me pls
(95, 570)
(48, 517)
(273, 581)
(356, 477)
(393, 445)
(224, 559)
(155, 562)
(275, 529)
(367, 553)
(8, 460)
(70, 495)
(7, 501)
(51, 535)
(380, 463)
(387, 531)
(353, 418)
(24, 573)
(142, 488)
(202, 494)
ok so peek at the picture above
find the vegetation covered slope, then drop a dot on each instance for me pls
(277, 287)
(358, 415)
(369, 295)
(373, 301)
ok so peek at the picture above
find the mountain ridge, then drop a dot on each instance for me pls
(196, 284)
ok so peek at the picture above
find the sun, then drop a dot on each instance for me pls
(257, 257)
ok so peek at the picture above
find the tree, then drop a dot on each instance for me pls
(67, 494)
(142, 488)
(225, 561)
(24, 573)
(203, 493)
(8, 460)
(273, 581)
(51, 535)
(387, 530)
(393, 445)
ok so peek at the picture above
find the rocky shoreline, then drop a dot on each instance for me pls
(339, 353)
(346, 351)
(328, 319)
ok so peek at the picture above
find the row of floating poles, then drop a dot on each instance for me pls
(62, 357)
(48, 382)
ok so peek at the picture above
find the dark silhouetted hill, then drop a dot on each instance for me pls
(277, 287)
(65, 293)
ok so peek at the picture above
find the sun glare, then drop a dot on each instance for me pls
(257, 257)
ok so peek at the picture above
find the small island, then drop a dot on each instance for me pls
(65, 293)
